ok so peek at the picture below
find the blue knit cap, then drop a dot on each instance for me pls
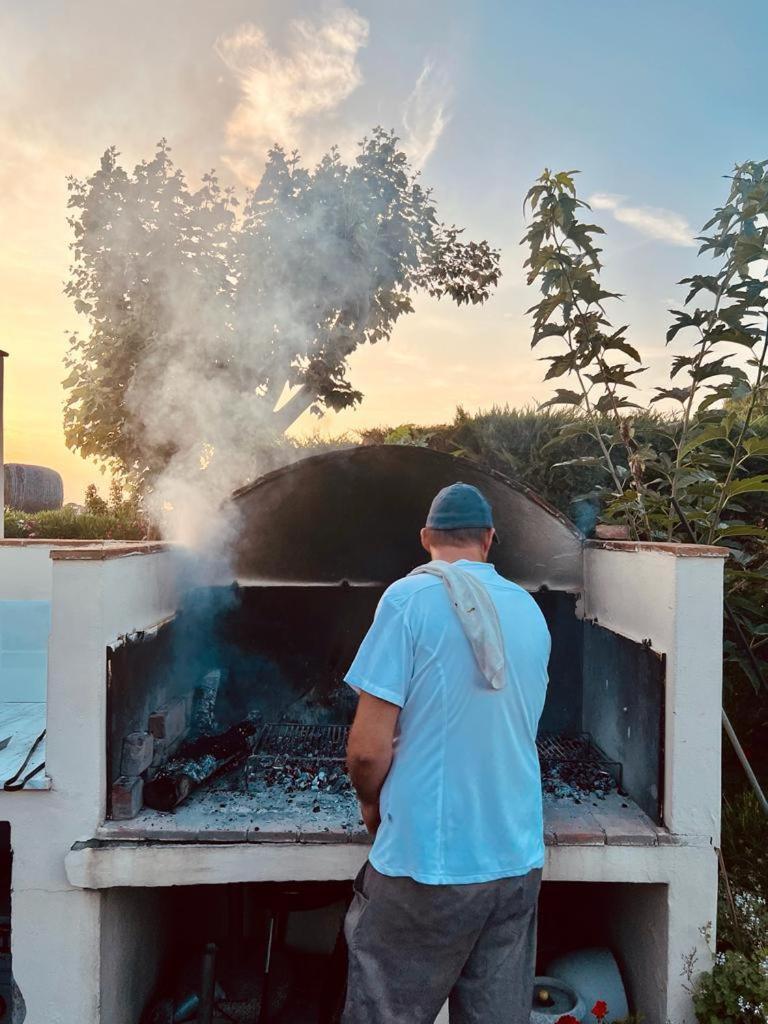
(460, 506)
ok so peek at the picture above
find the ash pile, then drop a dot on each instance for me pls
(191, 746)
(574, 768)
(300, 758)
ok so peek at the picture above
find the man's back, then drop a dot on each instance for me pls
(462, 801)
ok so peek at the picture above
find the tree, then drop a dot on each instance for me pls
(202, 318)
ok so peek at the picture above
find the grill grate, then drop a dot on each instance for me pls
(311, 742)
(575, 751)
(328, 743)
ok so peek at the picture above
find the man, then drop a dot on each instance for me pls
(452, 678)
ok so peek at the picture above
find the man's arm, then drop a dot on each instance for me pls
(369, 753)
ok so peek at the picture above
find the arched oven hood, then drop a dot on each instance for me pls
(355, 514)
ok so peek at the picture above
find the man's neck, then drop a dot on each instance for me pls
(457, 554)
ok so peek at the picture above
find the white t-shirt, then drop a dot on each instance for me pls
(462, 802)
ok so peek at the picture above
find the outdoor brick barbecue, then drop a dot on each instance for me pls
(143, 670)
(267, 656)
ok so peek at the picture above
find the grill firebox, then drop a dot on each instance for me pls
(280, 639)
(559, 755)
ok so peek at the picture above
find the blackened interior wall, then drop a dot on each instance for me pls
(563, 709)
(623, 698)
(151, 669)
(283, 652)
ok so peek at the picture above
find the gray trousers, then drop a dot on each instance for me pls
(412, 946)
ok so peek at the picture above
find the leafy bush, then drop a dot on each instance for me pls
(735, 991)
(69, 524)
(745, 848)
(526, 444)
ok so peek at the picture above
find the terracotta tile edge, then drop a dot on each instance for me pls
(105, 553)
(678, 550)
(45, 542)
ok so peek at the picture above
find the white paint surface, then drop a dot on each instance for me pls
(56, 927)
(25, 572)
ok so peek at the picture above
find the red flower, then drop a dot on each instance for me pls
(567, 1019)
(600, 1009)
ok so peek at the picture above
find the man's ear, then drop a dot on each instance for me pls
(424, 539)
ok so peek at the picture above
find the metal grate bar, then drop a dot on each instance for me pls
(328, 742)
(575, 750)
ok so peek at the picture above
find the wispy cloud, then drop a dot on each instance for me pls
(425, 114)
(284, 93)
(655, 222)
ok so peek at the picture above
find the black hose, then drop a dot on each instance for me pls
(12, 784)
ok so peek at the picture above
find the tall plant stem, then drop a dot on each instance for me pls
(587, 404)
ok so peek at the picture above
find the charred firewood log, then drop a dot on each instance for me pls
(196, 762)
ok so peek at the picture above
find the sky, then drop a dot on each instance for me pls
(653, 102)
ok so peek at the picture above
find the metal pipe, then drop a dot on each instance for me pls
(3, 357)
(207, 985)
(265, 978)
(745, 763)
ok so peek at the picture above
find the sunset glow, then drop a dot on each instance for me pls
(476, 109)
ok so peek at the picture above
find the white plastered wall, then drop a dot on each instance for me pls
(56, 928)
(25, 571)
(671, 597)
(674, 601)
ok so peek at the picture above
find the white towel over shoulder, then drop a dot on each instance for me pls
(478, 616)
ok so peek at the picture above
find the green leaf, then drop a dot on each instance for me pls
(548, 331)
(685, 319)
(742, 530)
(619, 343)
(563, 397)
(716, 432)
(565, 180)
(561, 364)
(582, 460)
(748, 485)
(678, 394)
(700, 282)
(755, 446)
(679, 363)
